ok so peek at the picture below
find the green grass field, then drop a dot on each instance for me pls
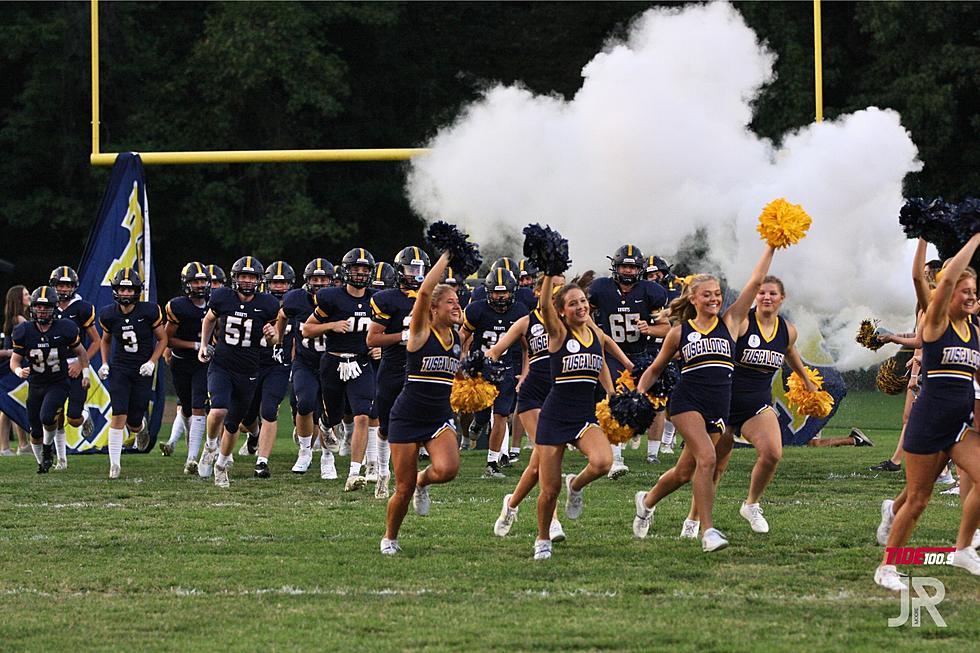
(158, 561)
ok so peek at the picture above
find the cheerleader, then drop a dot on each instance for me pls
(699, 404)
(567, 415)
(940, 426)
(764, 341)
(422, 414)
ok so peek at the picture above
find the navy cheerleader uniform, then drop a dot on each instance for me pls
(944, 410)
(757, 358)
(705, 386)
(392, 309)
(132, 345)
(189, 374)
(47, 354)
(82, 314)
(422, 409)
(537, 383)
(569, 409)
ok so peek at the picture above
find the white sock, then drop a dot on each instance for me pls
(653, 447)
(210, 444)
(223, 460)
(384, 455)
(505, 444)
(355, 469)
(115, 445)
(261, 459)
(617, 450)
(48, 437)
(515, 451)
(61, 444)
(669, 433)
(423, 451)
(371, 452)
(305, 443)
(493, 456)
(38, 451)
(198, 425)
(181, 426)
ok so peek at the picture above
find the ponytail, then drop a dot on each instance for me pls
(681, 309)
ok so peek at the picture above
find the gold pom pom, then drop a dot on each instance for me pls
(782, 224)
(625, 381)
(472, 395)
(888, 381)
(813, 404)
(616, 432)
(866, 335)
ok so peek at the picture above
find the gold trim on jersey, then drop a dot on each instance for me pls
(775, 328)
(441, 342)
(582, 342)
(708, 330)
(712, 363)
(957, 332)
(378, 311)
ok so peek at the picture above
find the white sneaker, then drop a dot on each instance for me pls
(381, 489)
(113, 471)
(643, 517)
(354, 483)
(713, 540)
(7, 452)
(206, 467)
(61, 465)
(555, 531)
(574, 502)
(888, 577)
(955, 490)
(945, 478)
(542, 549)
(635, 442)
(506, 519)
(190, 467)
(690, 529)
(243, 450)
(143, 437)
(332, 443)
(303, 460)
(220, 476)
(371, 473)
(344, 447)
(967, 559)
(389, 547)
(166, 449)
(752, 512)
(420, 501)
(667, 449)
(885, 527)
(617, 470)
(328, 469)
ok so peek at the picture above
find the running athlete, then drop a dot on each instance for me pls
(625, 307)
(239, 318)
(218, 278)
(422, 413)
(45, 346)
(129, 328)
(190, 375)
(297, 307)
(484, 321)
(72, 307)
(391, 312)
(524, 293)
(661, 437)
(342, 316)
(700, 402)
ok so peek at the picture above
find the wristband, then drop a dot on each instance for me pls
(197, 346)
(405, 335)
(85, 373)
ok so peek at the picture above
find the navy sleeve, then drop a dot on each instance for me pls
(19, 338)
(656, 296)
(323, 304)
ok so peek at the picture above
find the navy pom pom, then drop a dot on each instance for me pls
(546, 249)
(666, 382)
(464, 256)
(476, 364)
(633, 410)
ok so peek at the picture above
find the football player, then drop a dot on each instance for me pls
(484, 321)
(133, 331)
(72, 307)
(243, 316)
(45, 346)
(190, 375)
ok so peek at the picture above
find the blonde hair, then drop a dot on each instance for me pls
(439, 292)
(681, 309)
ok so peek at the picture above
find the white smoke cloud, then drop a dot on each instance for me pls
(656, 144)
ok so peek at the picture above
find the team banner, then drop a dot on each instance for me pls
(120, 238)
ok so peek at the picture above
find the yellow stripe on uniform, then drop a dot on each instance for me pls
(378, 312)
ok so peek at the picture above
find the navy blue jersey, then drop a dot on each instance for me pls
(949, 363)
(297, 306)
(706, 356)
(524, 295)
(537, 338)
(46, 352)
(392, 309)
(281, 354)
(759, 355)
(239, 328)
(187, 315)
(132, 333)
(617, 314)
(464, 295)
(488, 326)
(575, 370)
(81, 313)
(335, 305)
(429, 377)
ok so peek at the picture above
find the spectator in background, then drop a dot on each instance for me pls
(15, 310)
